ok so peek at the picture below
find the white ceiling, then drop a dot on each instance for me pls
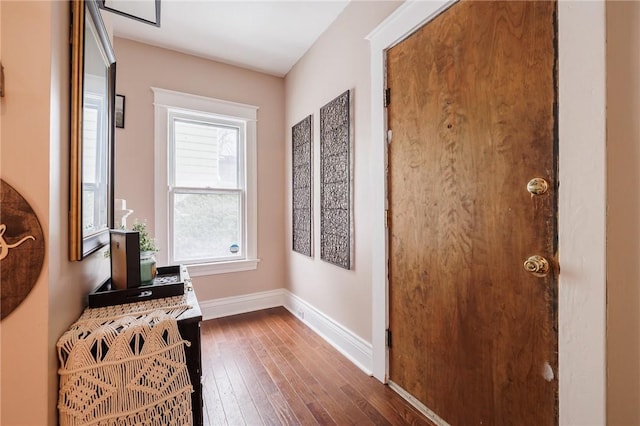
(267, 36)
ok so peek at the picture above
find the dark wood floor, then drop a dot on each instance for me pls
(267, 367)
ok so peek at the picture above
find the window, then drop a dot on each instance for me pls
(205, 183)
(94, 171)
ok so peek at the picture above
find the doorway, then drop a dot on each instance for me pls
(581, 220)
(472, 214)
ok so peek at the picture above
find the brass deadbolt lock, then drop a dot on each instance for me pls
(537, 186)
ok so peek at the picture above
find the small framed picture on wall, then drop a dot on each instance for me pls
(120, 111)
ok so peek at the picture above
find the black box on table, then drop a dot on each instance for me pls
(125, 259)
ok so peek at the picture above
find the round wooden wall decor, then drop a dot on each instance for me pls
(21, 248)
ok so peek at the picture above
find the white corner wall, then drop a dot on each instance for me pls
(338, 61)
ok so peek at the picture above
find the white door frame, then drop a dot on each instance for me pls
(582, 200)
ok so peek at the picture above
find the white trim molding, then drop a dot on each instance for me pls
(352, 346)
(166, 101)
(582, 293)
(400, 24)
(234, 305)
(582, 199)
(349, 344)
(190, 102)
(199, 270)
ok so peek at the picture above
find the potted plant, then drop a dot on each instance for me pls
(148, 251)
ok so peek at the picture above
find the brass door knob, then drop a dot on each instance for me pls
(537, 265)
(537, 186)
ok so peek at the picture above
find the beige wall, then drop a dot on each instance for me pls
(27, 77)
(34, 159)
(338, 61)
(623, 221)
(139, 67)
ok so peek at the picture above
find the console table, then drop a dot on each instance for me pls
(185, 309)
(189, 326)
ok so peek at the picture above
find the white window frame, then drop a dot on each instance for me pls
(173, 189)
(169, 101)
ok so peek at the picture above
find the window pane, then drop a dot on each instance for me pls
(206, 226)
(206, 155)
(94, 189)
(90, 134)
(89, 209)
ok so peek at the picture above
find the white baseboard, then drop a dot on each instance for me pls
(227, 306)
(357, 350)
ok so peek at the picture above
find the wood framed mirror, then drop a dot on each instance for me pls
(93, 77)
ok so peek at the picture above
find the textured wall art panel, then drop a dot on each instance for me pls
(301, 141)
(335, 182)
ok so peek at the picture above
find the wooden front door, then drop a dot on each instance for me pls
(472, 115)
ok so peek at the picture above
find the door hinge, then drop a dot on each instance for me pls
(386, 218)
(387, 97)
(388, 338)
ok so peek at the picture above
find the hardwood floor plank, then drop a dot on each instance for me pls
(256, 378)
(288, 381)
(320, 414)
(267, 367)
(212, 404)
(283, 410)
(384, 398)
(230, 405)
(329, 389)
(248, 409)
(341, 411)
(336, 386)
(255, 387)
(372, 413)
(402, 413)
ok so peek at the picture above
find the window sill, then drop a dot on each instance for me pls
(203, 269)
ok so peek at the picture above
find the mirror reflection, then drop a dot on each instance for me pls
(94, 136)
(93, 94)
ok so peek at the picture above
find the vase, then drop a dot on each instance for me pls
(148, 269)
